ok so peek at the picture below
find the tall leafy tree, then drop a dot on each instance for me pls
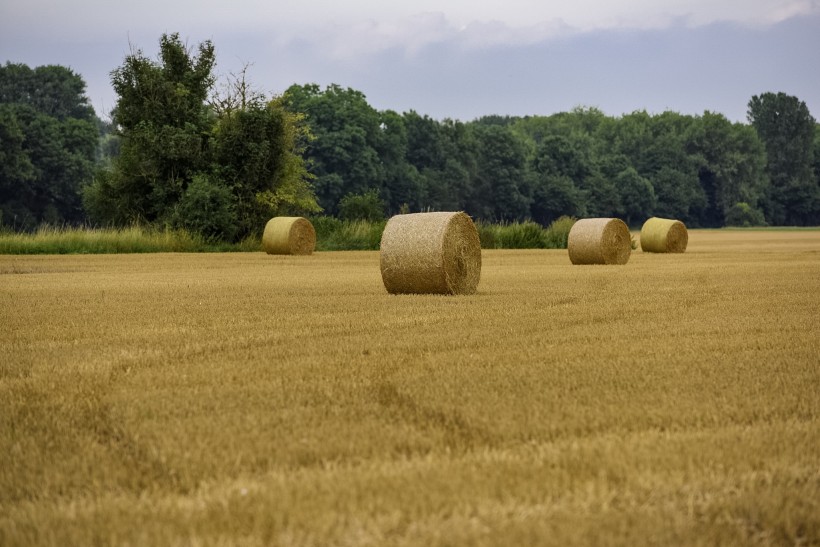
(501, 189)
(164, 126)
(637, 196)
(403, 185)
(560, 169)
(257, 152)
(344, 156)
(730, 160)
(186, 147)
(48, 138)
(53, 90)
(787, 130)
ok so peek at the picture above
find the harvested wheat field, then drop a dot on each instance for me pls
(254, 399)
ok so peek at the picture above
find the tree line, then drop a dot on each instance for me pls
(219, 157)
(704, 170)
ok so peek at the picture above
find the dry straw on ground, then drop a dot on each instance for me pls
(437, 253)
(663, 235)
(599, 241)
(289, 236)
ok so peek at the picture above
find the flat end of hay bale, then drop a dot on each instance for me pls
(289, 236)
(664, 235)
(599, 241)
(430, 253)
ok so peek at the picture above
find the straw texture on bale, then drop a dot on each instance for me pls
(289, 236)
(663, 235)
(430, 253)
(599, 241)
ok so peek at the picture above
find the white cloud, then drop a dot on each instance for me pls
(401, 47)
(386, 21)
(353, 30)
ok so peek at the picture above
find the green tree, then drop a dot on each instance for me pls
(403, 185)
(256, 152)
(743, 214)
(787, 130)
(344, 156)
(48, 138)
(679, 195)
(164, 125)
(637, 196)
(52, 90)
(500, 189)
(16, 171)
(560, 169)
(207, 207)
(244, 151)
(555, 196)
(730, 161)
(365, 206)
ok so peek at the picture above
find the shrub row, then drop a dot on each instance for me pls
(332, 234)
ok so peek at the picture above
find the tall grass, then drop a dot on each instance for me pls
(133, 239)
(525, 235)
(332, 234)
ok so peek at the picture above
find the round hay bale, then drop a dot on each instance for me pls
(289, 236)
(599, 241)
(663, 235)
(430, 253)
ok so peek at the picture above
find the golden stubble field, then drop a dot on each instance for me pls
(246, 399)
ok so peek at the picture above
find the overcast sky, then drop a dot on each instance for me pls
(454, 58)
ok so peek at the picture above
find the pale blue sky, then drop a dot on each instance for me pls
(456, 58)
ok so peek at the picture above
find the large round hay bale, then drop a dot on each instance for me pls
(289, 236)
(663, 235)
(599, 241)
(424, 253)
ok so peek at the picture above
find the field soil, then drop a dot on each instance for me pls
(247, 399)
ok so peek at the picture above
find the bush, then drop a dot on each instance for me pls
(486, 235)
(367, 206)
(557, 233)
(515, 235)
(520, 235)
(333, 234)
(743, 214)
(207, 209)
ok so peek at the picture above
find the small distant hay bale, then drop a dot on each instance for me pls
(289, 236)
(599, 241)
(430, 253)
(663, 235)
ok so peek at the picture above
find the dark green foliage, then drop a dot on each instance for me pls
(254, 152)
(500, 189)
(207, 208)
(48, 142)
(164, 126)
(333, 234)
(509, 169)
(220, 168)
(486, 235)
(511, 235)
(176, 147)
(524, 235)
(366, 206)
(52, 90)
(744, 215)
(344, 156)
(787, 130)
(557, 233)
(637, 196)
